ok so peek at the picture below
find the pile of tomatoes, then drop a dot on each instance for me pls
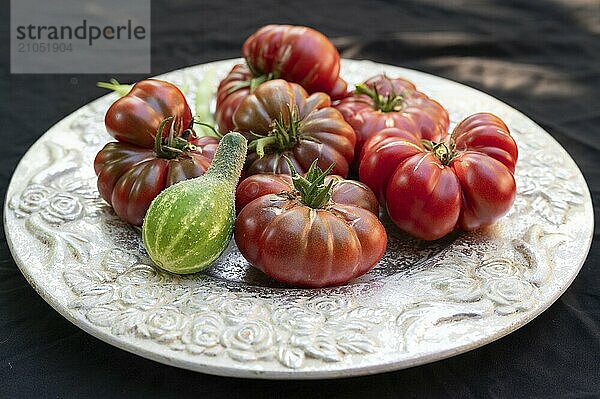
(296, 222)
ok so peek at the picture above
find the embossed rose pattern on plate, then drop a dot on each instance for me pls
(423, 301)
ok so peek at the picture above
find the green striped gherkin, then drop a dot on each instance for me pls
(189, 225)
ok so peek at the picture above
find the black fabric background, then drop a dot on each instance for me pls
(542, 58)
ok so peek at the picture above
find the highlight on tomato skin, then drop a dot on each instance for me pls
(305, 238)
(258, 185)
(465, 181)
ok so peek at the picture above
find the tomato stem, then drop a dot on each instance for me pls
(283, 136)
(442, 152)
(391, 102)
(115, 86)
(312, 189)
(262, 143)
(213, 132)
(175, 145)
(257, 79)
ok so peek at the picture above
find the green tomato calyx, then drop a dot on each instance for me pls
(312, 189)
(391, 102)
(284, 134)
(444, 152)
(175, 144)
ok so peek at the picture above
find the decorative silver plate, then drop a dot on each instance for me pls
(423, 302)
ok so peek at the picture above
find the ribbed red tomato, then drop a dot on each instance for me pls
(346, 192)
(281, 119)
(431, 189)
(131, 176)
(295, 53)
(304, 238)
(382, 102)
(135, 117)
(298, 54)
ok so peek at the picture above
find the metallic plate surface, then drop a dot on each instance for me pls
(423, 301)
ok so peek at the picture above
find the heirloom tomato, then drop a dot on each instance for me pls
(135, 117)
(295, 53)
(304, 238)
(430, 189)
(130, 176)
(383, 102)
(280, 119)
